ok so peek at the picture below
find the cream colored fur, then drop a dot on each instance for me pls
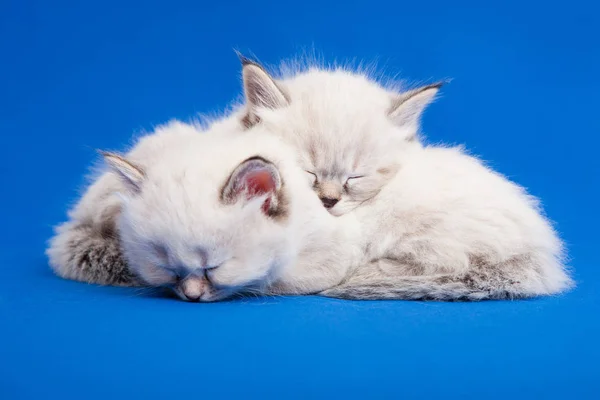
(405, 221)
(436, 223)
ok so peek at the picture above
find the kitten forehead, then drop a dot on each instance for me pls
(337, 118)
(329, 89)
(186, 180)
(209, 158)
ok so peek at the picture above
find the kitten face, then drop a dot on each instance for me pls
(346, 170)
(350, 131)
(205, 231)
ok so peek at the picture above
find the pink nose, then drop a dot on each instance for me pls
(193, 288)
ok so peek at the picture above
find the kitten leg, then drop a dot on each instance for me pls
(370, 282)
(89, 253)
(436, 287)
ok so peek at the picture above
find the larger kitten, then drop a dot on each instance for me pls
(437, 223)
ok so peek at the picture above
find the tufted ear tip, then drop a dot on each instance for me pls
(132, 175)
(260, 90)
(408, 107)
(245, 60)
(437, 85)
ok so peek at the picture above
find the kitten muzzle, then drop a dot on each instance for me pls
(195, 288)
(329, 202)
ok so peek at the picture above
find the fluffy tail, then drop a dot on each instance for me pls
(89, 253)
(466, 287)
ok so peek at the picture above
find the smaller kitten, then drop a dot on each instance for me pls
(215, 215)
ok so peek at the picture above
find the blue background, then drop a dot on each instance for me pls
(75, 76)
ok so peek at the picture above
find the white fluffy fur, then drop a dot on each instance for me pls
(447, 216)
(413, 222)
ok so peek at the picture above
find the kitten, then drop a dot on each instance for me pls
(436, 222)
(348, 129)
(212, 226)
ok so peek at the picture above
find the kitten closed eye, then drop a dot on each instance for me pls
(313, 177)
(352, 180)
(161, 253)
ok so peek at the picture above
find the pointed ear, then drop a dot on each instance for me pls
(260, 89)
(408, 106)
(131, 175)
(253, 179)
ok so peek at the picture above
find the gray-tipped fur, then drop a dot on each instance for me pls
(91, 253)
(468, 287)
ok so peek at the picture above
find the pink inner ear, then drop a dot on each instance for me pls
(259, 182)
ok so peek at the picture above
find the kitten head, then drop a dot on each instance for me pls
(350, 131)
(209, 219)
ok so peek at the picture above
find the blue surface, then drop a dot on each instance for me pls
(75, 77)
